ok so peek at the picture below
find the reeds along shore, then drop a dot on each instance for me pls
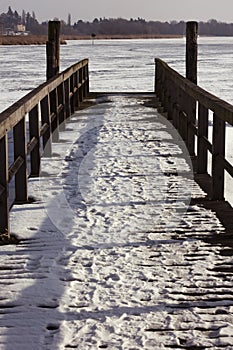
(41, 39)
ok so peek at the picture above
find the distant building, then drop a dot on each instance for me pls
(21, 28)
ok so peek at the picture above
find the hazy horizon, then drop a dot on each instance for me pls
(168, 10)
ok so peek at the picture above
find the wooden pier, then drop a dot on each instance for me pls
(124, 260)
(47, 108)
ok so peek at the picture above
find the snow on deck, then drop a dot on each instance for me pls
(111, 253)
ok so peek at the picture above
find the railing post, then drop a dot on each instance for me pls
(61, 106)
(4, 199)
(191, 74)
(54, 115)
(72, 97)
(218, 153)
(20, 150)
(53, 49)
(202, 132)
(67, 98)
(34, 131)
(86, 74)
(80, 77)
(45, 118)
(75, 83)
(191, 51)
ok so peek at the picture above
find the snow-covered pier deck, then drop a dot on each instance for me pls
(118, 249)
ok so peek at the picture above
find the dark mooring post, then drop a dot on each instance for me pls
(53, 49)
(191, 74)
(191, 51)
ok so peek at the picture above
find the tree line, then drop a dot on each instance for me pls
(110, 26)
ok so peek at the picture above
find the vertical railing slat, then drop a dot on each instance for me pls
(218, 153)
(45, 118)
(34, 131)
(4, 198)
(202, 152)
(54, 111)
(20, 150)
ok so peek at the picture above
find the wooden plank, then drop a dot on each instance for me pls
(4, 200)
(203, 116)
(218, 153)
(80, 79)
(75, 90)
(43, 129)
(34, 132)
(86, 84)
(191, 115)
(60, 107)
(46, 120)
(20, 151)
(67, 97)
(31, 145)
(71, 95)
(15, 167)
(228, 167)
(191, 51)
(53, 109)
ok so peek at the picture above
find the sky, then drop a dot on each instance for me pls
(165, 10)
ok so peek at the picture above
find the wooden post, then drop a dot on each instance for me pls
(191, 74)
(61, 106)
(67, 98)
(45, 118)
(86, 88)
(20, 150)
(191, 51)
(34, 132)
(4, 199)
(218, 155)
(202, 152)
(53, 49)
(53, 97)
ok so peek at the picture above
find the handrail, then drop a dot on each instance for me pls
(189, 106)
(210, 101)
(12, 115)
(47, 107)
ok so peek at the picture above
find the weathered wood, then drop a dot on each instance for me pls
(217, 154)
(191, 113)
(185, 102)
(34, 132)
(12, 115)
(75, 89)
(72, 96)
(54, 110)
(53, 101)
(202, 152)
(45, 119)
(4, 199)
(86, 84)
(53, 49)
(20, 150)
(81, 90)
(222, 108)
(191, 51)
(67, 98)
(14, 168)
(60, 108)
(31, 145)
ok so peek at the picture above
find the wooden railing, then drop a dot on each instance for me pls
(46, 108)
(190, 107)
